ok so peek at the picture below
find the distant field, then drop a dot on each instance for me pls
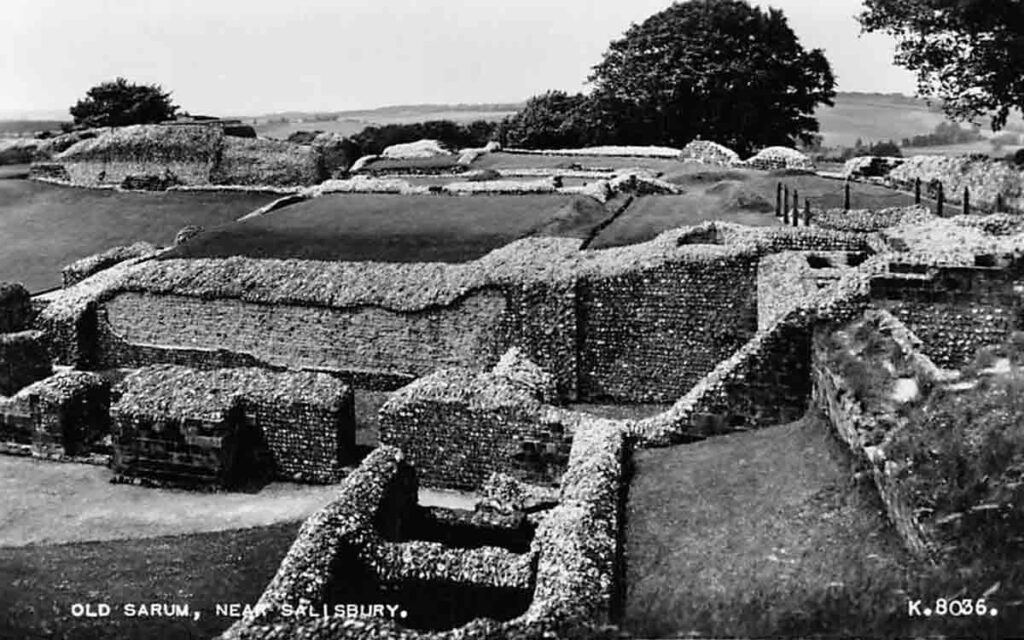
(351, 125)
(45, 227)
(740, 196)
(395, 228)
(981, 146)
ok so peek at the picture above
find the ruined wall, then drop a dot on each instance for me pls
(458, 427)
(786, 278)
(366, 338)
(953, 310)
(15, 307)
(649, 335)
(23, 360)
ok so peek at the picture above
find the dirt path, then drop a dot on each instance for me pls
(45, 502)
(757, 534)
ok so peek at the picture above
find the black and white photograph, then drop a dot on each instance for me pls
(524, 320)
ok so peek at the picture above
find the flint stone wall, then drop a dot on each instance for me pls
(651, 334)
(214, 427)
(458, 428)
(24, 359)
(15, 308)
(64, 415)
(954, 310)
(837, 401)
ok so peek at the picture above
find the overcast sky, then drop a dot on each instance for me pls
(249, 57)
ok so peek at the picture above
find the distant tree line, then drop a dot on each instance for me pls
(945, 133)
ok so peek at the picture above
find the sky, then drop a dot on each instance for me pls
(253, 57)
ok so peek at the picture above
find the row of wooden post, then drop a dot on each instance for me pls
(782, 202)
(782, 209)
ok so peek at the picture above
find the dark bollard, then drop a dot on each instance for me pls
(999, 203)
(846, 196)
(940, 200)
(785, 204)
(796, 208)
(917, 190)
(967, 201)
(807, 213)
(778, 200)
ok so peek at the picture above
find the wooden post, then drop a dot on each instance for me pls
(999, 203)
(796, 207)
(940, 200)
(846, 196)
(778, 200)
(917, 190)
(807, 212)
(967, 201)
(785, 204)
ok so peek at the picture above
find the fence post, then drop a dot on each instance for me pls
(940, 200)
(778, 200)
(917, 190)
(967, 201)
(846, 196)
(785, 204)
(796, 207)
(999, 203)
(807, 212)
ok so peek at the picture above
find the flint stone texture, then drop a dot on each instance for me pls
(64, 415)
(459, 427)
(217, 427)
(23, 360)
(15, 308)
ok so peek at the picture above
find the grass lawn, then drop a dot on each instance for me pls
(499, 161)
(14, 171)
(733, 195)
(46, 227)
(766, 534)
(396, 228)
(39, 584)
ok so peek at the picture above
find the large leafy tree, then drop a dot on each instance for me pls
(969, 53)
(120, 103)
(551, 120)
(718, 69)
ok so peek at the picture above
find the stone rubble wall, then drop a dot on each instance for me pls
(836, 399)
(15, 308)
(23, 360)
(572, 563)
(458, 428)
(178, 424)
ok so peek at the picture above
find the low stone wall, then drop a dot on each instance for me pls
(228, 426)
(953, 310)
(23, 360)
(265, 162)
(79, 270)
(458, 427)
(15, 308)
(836, 400)
(572, 562)
(63, 416)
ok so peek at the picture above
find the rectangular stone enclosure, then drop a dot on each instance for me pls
(230, 427)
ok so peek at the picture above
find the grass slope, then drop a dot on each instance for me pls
(767, 534)
(396, 228)
(46, 227)
(39, 584)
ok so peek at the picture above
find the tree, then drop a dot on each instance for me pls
(120, 103)
(718, 69)
(554, 119)
(968, 53)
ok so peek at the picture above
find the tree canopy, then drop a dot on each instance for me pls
(120, 103)
(968, 53)
(716, 69)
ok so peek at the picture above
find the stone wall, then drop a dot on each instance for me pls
(837, 401)
(571, 566)
(458, 427)
(23, 360)
(651, 334)
(229, 426)
(63, 416)
(15, 308)
(787, 278)
(953, 310)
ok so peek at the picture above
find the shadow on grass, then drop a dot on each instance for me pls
(40, 584)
